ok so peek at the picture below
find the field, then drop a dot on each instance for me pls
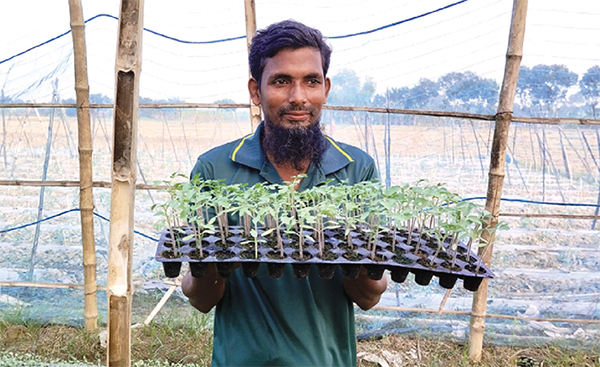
(545, 267)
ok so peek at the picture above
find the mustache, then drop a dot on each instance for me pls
(295, 108)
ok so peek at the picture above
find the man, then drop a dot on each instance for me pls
(287, 321)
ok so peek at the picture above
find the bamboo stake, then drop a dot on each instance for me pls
(86, 195)
(366, 133)
(44, 175)
(255, 116)
(497, 163)
(598, 201)
(120, 251)
(387, 144)
(161, 303)
(4, 134)
(444, 300)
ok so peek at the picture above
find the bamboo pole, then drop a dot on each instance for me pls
(250, 9)
(487, 315)
(174, 285)
(120, 286)
(66, 183)
(86, 198)
(497, 162)
(47, 285)
(399, 111)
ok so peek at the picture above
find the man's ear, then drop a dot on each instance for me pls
(327, 88)
(254, 93)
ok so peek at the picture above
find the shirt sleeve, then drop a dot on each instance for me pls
(202, 168)
(370, 172)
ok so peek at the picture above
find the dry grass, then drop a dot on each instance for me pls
(182, 344)
(415, 352)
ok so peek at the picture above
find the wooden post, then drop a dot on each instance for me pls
(4, 132)
(255, 116)
(86, 197)
(127, 70)
(497, 162)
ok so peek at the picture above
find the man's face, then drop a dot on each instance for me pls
(293, 88)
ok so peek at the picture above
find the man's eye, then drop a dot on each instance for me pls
(279, 81)
(314, 81)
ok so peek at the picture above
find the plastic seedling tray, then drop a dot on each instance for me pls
(399, 259)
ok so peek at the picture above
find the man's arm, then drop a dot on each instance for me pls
(364, 291)
(205, 292)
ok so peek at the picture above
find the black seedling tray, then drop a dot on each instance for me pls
(400, 260)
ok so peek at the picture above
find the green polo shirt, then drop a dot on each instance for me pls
(287, 321)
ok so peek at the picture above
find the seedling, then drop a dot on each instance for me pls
(421, 212)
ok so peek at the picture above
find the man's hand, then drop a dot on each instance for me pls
(205, 292)
(364, 291)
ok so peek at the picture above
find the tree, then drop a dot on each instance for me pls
(589, 86)
(224, 101)
(470, 91)
(544, 86)
(347, 90)
(225, 111)
(398, 98)
(424, 93)
(98, 98)
(417, 97)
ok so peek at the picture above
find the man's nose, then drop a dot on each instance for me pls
(297, 94)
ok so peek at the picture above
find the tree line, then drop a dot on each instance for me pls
(542, 90)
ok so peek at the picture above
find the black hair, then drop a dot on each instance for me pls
(288, 34)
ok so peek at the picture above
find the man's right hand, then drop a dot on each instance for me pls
(205, 292)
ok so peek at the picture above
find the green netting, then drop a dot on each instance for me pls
(545, 267)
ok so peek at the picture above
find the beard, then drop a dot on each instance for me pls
(294, 146)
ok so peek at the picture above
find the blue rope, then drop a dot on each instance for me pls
(66, 212)
(34, 47)
(113, 17)
(156, 239)
(399, 22)
(233, 38)
(194, 42)
(535, 202)
(54, 39)
(134, 231)
(39, 221)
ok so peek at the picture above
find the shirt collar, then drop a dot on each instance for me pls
(249, 153)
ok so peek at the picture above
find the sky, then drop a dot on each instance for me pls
(470, 35)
